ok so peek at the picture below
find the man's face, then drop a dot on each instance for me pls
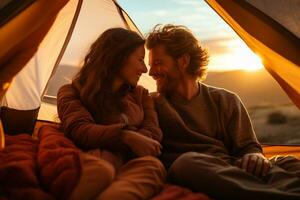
(163, 69)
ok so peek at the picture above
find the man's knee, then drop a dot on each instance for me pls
(187, 163)
(190, 159)
(282, 159)
(182, 162)
(289, 163)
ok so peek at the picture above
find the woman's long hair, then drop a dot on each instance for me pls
(105, 59)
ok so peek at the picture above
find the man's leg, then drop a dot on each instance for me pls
(285, 174)
(288, 163)
(215, 177)
(138, 179)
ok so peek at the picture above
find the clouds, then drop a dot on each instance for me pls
(194, 14)
(226, 49)
(188, 2)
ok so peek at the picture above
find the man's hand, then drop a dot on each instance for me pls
(254, 163)
(140, 144)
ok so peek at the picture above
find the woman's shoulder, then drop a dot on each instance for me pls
(66, 87)
(67, 90)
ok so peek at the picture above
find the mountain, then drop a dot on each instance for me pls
(257, 88)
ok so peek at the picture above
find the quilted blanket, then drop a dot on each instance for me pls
(47, 168)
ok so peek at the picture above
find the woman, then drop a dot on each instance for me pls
(107, 114)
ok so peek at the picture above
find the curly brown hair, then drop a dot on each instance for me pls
(179, 40)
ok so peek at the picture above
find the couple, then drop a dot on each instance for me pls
(208, 141)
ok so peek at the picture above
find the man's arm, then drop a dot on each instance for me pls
(245, 144)
(240, 128)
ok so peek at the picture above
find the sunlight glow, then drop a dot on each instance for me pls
(255, 63)
(235, 56)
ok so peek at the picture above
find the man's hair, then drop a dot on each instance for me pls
(179, 40)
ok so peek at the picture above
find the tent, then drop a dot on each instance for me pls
(271, 30)
(36, 55)
(46, 55)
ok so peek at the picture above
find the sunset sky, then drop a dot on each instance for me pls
(227, 50)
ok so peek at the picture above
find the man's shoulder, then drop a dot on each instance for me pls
(217, 92)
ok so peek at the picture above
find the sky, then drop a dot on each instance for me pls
(227, 51)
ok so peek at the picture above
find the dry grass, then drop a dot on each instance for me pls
(287, 132)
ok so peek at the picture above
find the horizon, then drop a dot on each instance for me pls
(227, 51)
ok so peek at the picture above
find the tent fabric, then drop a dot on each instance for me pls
(87, 29)
(282, 11)
(2, 139)
(10, 8)
(26, 88)
(277, 46)
(19, 48)
(273, 150)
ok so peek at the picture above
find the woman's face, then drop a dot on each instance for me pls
(133, 67)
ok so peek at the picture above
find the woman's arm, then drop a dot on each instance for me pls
(79, 125)
(150, 126)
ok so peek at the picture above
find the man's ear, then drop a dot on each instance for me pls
(184, 61)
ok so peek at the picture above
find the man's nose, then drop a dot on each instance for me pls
(151, 70)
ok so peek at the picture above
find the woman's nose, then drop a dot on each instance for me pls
(144, 68)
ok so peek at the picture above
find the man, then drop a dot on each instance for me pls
(209, 143)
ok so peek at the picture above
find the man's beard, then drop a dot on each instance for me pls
(168, 86)
(170, 82)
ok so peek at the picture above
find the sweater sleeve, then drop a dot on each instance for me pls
(79, 125)
(150, 126)
(240, 128)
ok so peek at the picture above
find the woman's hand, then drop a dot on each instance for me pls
(140, 144)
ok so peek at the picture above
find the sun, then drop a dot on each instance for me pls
(237, 56)
(254, 63)
(245, 59)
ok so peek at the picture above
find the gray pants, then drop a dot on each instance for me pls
(221, 180)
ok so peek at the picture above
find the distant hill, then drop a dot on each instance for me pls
(256, 88)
